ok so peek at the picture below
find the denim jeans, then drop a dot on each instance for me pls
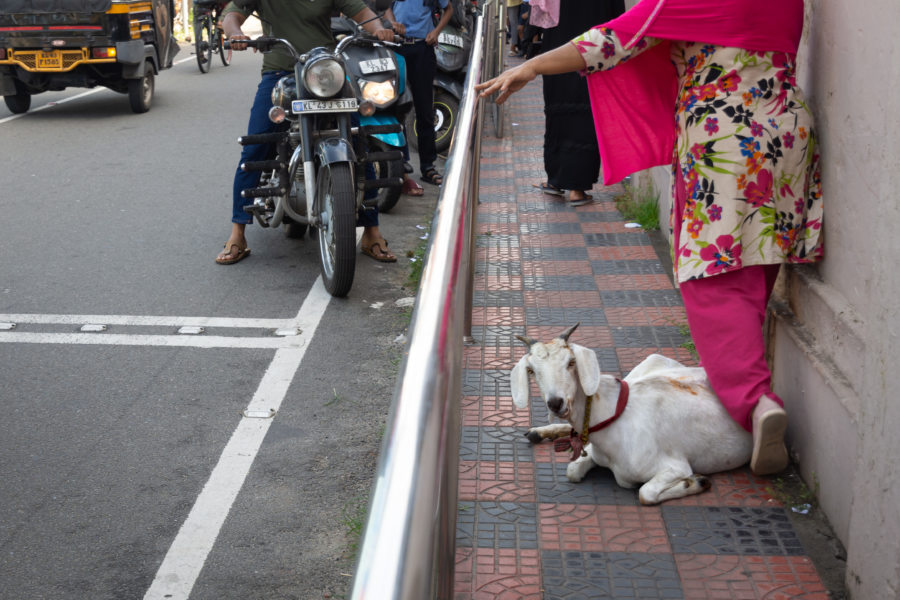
(260, 123)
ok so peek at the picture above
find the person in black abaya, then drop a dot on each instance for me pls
(571, 156)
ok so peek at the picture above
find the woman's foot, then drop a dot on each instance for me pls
(411, 188)
(769, 425)
(579, 198)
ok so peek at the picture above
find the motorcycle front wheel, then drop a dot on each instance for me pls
(336, 206)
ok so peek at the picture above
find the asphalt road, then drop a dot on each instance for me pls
(125, 458)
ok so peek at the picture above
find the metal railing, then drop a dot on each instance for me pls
(408, 546)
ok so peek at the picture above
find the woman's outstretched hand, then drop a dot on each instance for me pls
(507, 82)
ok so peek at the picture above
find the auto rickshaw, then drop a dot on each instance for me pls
(50, 45)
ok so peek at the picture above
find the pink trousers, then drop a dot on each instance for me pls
(725, 313)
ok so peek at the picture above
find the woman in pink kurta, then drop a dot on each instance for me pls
(709, 88)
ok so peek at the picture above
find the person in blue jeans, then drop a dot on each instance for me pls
(413, 19)
(306, 25)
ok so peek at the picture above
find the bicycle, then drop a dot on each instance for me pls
(208, 37)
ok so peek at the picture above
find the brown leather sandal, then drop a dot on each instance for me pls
(242, 252)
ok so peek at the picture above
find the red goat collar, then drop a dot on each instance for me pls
(577, 443)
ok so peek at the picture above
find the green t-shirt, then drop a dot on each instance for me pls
(304, 23)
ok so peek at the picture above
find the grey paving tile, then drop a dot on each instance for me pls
(500, 267)
(565, 317)
(495, 444)
(498, 298)
(649, 337)
(494, 217)
(505, 525)
(640, 298)
(496, 197)
(579, 283)
(731, 530)
(496, 240)
(465, 524)
(627, 267)
(529, 200)
(498, 335)
(531, 228)
(616, 239)
(554, 253)
(598, 487)
(485, 382)
(571, 575)
(600, 217)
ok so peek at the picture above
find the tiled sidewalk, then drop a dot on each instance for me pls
(523, 530)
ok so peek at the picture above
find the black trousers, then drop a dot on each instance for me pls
(421, 66)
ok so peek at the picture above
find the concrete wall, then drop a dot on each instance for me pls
(834, 330)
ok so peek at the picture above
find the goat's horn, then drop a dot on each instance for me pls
(526, 340)
(564, 336)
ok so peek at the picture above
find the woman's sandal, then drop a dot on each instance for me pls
(379, 253)
(240, 254)
(411, 188)
(547, 188)
(432, 176)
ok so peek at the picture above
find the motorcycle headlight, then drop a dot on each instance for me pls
(379, 93)
(284, 92)
(324, 77)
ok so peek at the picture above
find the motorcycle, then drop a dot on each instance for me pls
(317, 178)
(378, 74)
(452, 53)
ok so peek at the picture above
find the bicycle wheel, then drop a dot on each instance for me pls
(224, 54)
(203, 42)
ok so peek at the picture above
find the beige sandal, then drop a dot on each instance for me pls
(242, 252)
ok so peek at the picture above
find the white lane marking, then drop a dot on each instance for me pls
(187, 555)
(119, 339)
(161, 321)
(70, 98)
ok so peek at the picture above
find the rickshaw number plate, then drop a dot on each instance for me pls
(450, 39)
(49, 60)
(376, 65)
(322, 106)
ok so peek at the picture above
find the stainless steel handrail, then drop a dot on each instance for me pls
(408, 545)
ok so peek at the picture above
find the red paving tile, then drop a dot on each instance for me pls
(749, 577)
(556, 268)
(588, 336)
(498, 315)
(621, 253)
(497, 574)
(633, 282)
(496, 482)
(589, 528)
(542, 299)
(646, 316)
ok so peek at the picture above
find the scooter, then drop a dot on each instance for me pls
(378, 75)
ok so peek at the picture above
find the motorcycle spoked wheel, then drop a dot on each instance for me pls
(446, 113)
(389, 196)
(336, 205)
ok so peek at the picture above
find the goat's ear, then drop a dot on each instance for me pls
(518, 383)
(588, 368)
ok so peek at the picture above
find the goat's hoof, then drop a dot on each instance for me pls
(704, 482)
(533, 436)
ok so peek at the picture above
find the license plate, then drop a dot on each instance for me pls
(450, 39)
(49, 60)
(324, 106)
(376, 65)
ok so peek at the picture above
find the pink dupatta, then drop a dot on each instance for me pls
(634, 103)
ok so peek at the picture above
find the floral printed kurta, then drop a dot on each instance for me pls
(745, 153)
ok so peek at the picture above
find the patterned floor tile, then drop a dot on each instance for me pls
(583, 299)
(498, 482)
(653, 297)
(717, 577)
(602, 528)
(621, 253)
(628, 267)
(730, 530)
(604, 575)
(491, 574)
(556, 268)
(598, 487)
(648, 337)
(493, 411)
(503, 525)
(566, 317)
(499, 444)
(657, 281)
(648, 316)
(499, 315)
(553, 253)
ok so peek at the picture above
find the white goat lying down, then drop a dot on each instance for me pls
(672, 428)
